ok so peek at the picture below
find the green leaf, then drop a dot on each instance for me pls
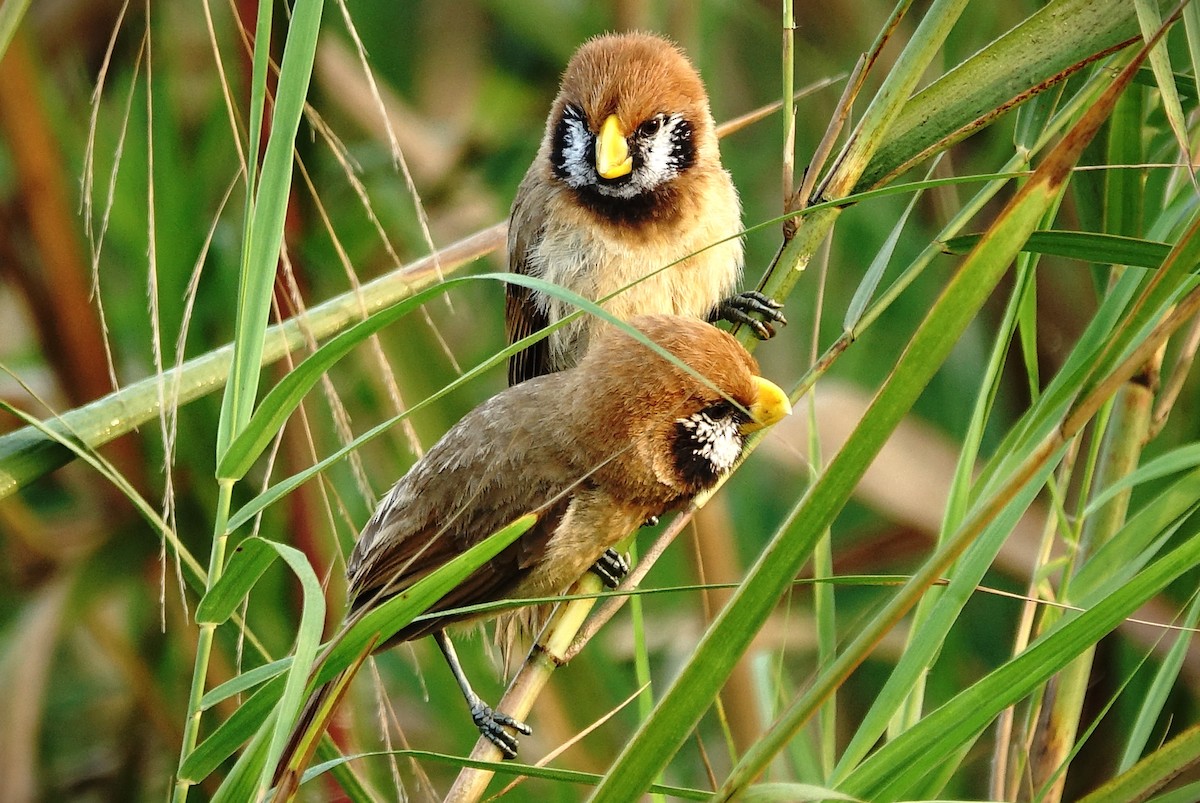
(865, 291)
(308, 640)
(265, 216)
(1166, 464)
(503, 768)
(380, 623)
(11, 14)
(1104, 249)
(247, 564)
(890, 772)
(251, 716)
(1153, 704)
(282, 694)
(788, 792)
(1187, 83)
(1126, 551)
(1150, 22)
(395, 613)
(243, 781)
(285, 397)
(244, 682)
(1005, 72)
(935, 627)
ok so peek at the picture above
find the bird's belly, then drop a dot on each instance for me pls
(630, 279)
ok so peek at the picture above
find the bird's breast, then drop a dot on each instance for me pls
(685, 269)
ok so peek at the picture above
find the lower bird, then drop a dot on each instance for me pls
(592, 451)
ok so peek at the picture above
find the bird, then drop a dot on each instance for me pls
(626, 200)
(592, 451)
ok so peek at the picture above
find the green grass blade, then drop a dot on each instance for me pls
(249, 561)
(1155, 771)
(393, 614)
(1166, 464)
(242, 782)
(245, 681)
(1191, 26)
(282, 400)
(265, 225)
(231, 734)
(963, 296)
(308, 641)
(1004, 73)
(503, 768)
(1155, 699)
(865, 291)
(1124, 552)
(890, 772)
(1160, 62)
(1103, 249)
(875, 127)
(11, 14)
(920, 652)
(790, 792)
(381, 622)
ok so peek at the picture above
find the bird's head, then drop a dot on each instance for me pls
(690, 428)
(630, 123)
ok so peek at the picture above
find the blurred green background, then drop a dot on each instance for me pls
(130, 188)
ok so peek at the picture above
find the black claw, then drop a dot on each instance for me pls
(611, 568)
(491, 724)
(742, 308)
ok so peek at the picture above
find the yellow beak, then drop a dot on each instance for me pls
(771, 406)
(612, 151)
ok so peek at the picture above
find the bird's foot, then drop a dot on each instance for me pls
(611, 568)
(492, 724)
(651, 521)
(742, 308)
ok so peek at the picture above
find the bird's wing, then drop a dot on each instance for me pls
(473, 482)
(522, 314)
(415, 557)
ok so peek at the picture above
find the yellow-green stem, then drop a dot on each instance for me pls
(789, 109)
(216, 564)
(544, 658)
(1058, 726)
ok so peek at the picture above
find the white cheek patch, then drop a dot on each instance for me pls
(577, 154)
(659, 164)
(717, 441)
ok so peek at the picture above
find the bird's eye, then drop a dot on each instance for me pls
(651, 126)
(721, 411)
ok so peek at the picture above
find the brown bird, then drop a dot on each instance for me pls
(626, 187)
(592, 451)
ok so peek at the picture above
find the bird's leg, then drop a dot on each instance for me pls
(743, 307)
(611, 568)
(491, 723)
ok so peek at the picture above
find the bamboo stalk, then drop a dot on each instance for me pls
(1053, 741)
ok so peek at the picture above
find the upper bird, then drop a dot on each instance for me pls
(626, 193)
